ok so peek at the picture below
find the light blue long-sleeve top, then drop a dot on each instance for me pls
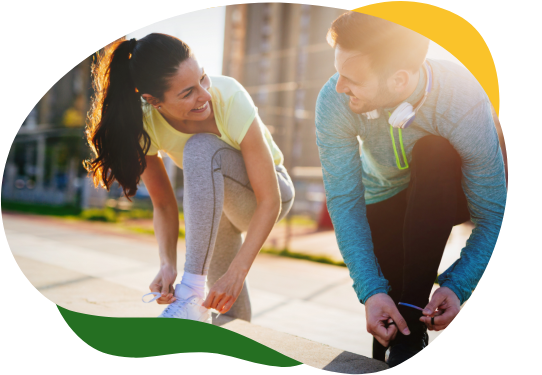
(457, 109)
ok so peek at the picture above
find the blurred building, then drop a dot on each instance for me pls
(44, 162)
(277, 51)
(280, 55)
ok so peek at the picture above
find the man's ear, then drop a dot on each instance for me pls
(399, 81)
(151, 100)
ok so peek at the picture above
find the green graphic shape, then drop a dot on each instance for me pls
(149, 337)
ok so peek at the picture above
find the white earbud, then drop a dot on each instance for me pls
(373, 115)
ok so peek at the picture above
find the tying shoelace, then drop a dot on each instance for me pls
(173, 308)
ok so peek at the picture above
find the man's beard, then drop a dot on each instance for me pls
(383, 98)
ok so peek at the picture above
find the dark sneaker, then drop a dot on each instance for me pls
(402, 348)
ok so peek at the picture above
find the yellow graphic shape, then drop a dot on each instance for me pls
(448, 30)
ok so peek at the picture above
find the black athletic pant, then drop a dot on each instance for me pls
(410, 229)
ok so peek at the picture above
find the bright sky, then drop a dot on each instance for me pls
(202, 30)
(438, 53)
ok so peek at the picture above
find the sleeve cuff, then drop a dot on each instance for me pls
(462, 295)
(245, 128)
(372, 293)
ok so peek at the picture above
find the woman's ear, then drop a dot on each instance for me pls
(151, 100)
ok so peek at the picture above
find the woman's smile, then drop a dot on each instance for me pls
(200, 109)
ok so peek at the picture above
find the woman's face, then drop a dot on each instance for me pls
(188, 97)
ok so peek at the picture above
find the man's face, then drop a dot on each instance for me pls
(357, 79)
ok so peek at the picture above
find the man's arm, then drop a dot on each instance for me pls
(336, 135)
(501, 142)
(475, 139)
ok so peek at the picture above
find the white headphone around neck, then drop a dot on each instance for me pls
(405, 113)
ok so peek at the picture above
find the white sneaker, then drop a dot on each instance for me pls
(187, 306)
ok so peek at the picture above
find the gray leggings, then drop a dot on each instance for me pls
(218, 206)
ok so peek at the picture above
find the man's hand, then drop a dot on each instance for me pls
(380, 310)
(448, 305)
(163, 284)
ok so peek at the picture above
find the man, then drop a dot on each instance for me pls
(394, 207)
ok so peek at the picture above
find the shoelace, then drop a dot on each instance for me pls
(157, 295)
(175, 309)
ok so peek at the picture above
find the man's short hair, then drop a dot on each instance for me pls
(389, 46)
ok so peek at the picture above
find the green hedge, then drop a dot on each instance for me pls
(41, 209)
(107, 215)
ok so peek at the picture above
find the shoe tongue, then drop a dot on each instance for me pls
(184, 292)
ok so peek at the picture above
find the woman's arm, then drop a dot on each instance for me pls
(263, 179)
(166, 226)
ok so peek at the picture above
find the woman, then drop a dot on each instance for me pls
(234, 180)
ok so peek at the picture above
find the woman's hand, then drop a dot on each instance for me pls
(225, 291)
(163, 283)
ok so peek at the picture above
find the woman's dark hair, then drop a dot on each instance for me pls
(121, 73)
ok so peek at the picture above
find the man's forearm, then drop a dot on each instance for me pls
(345, 194)
(465, 273)
(354, 240)
(484, 184)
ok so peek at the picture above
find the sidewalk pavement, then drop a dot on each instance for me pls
(89, 268)
(309, 241)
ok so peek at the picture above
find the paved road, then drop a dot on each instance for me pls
(306, 240)
(88, 268)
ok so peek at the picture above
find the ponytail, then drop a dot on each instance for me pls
(115, 130)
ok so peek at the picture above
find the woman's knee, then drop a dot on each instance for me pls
(199, 148)
(200, 142)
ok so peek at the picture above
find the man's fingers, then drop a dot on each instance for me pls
(400, 322)
(438, 322)
(444, 319)
(383, 335)
(432, 327)
(392, 331)
(383, 342)
(439, 312)
(435, 302)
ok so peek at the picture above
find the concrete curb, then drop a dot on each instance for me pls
(311, 353)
